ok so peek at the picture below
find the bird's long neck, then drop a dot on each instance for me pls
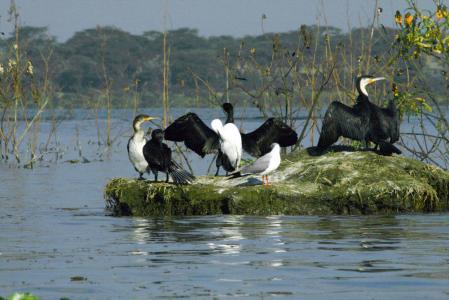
(230, 116)
(362, 98)
(361, 88)
(139, 134)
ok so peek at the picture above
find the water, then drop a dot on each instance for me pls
(57, 241)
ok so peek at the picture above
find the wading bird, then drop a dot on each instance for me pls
(263, 165)
(136, 144)
(159, 158)
(362, 122)
(197, 136)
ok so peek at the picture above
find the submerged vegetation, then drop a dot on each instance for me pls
(278, 73)
(335, 183)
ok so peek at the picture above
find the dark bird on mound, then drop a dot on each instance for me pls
(384, 127)
(159, 158)
(363, 122)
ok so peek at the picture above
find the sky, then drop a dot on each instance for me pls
(211, 17)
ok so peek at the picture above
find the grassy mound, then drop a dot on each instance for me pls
(334, 183)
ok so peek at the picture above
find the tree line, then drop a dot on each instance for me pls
(130, 65)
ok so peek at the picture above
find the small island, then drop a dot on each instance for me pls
(342, 181)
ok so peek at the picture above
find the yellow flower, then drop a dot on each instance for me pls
(2, 69)
(441, 12)
(15, 46)
(398, 18)
(253, 51)
(408, 19)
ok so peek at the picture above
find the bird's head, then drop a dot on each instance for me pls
(157, 135)
(365, 80)
(139, 119)
(227, 107)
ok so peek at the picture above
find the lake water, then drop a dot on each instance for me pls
(56, 240)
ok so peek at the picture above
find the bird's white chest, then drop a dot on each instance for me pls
(275, 161)
(135, 153)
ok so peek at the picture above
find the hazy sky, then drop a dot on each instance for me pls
(210, 17)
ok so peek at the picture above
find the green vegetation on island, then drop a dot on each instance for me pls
(343, 182)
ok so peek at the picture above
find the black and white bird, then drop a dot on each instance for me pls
(230, 141)
(136, 143)
(264, 165)
(197, 136)
(159, 159)
(364, 121)
(259, 141)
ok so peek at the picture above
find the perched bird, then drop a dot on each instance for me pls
(203, 140)
(364, 121)
(263, 165)
(230, 141)
(384, 127)
(136, 143)
(259, 141)
(158, 156)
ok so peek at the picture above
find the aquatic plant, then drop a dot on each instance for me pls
(24, 96)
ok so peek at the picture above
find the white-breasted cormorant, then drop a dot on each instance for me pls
(362, 122)
(136, 143)
(264, 165)
(159, 158)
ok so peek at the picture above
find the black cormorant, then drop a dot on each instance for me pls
(136, 144)
(158, 156)
(362, 122)
(384, 127)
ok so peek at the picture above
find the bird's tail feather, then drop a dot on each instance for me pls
(179, 175)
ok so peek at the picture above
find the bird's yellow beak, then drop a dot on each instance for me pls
(151, 118)
(375, 79)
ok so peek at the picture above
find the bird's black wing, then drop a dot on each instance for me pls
(258, 142)
(196, 135)
(342, 120)
(154, 155)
